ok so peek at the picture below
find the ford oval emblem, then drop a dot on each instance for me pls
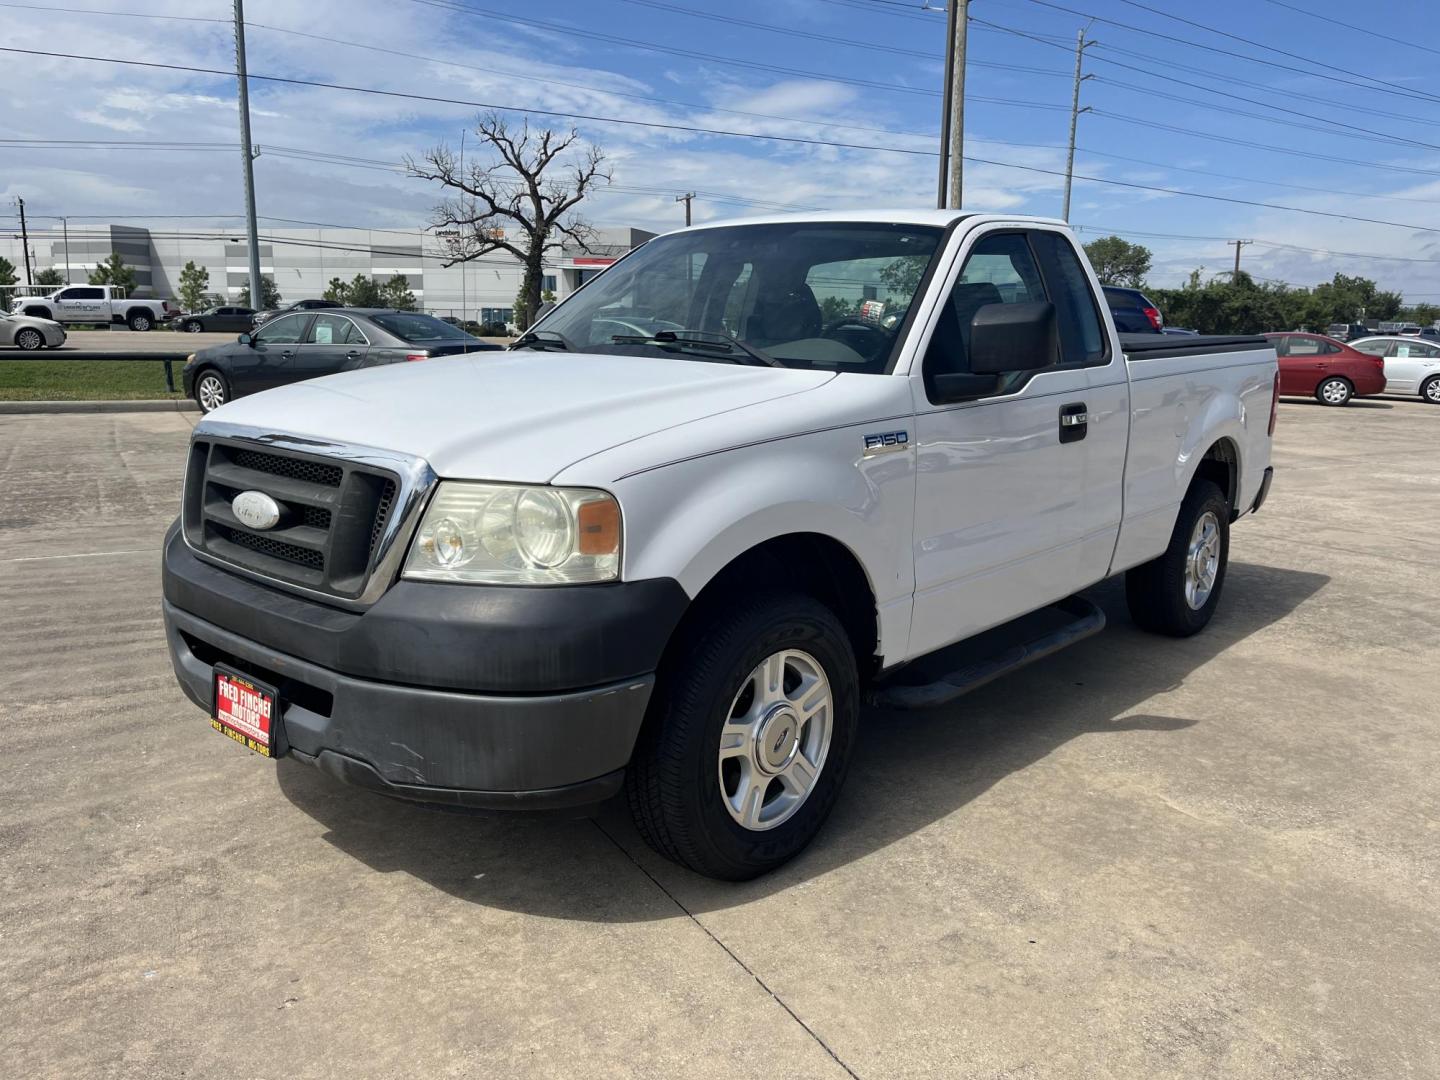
(256, 510)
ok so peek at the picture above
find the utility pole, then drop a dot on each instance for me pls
(247, 152)
(24, 240)
(1237, 245)
(1080, 46)
(686, 200)
(947, 96)
(957, 103)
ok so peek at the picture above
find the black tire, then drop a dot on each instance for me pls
(202, 379)
(140, 321)
(1156, 592)
(1334, 390)
(1430, 390)
(29, 340)
(674, 781)
(193, 326)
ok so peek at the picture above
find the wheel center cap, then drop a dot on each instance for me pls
(777, 738)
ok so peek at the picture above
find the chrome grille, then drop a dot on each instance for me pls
(334, 515)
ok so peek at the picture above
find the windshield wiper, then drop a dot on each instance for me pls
(531, 339)
(700, 339)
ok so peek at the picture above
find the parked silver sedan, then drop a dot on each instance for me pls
(1412, 364)
(29, 333)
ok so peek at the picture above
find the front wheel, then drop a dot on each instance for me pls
(1430, 392)
(748, 739)
(211, 390)
(29, 340)
(193, 326)
(1334, 391)
(1177, 593)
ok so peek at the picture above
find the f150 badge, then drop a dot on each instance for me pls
(886, 442)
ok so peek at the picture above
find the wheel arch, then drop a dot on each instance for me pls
(38, 312)
(1220, 464)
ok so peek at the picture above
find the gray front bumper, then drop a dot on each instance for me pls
(520, 751)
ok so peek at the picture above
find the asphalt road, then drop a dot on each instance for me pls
(122, 340)
(1141, 858)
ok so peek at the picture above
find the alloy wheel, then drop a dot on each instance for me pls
(775, 739)
(211, 392)
(1202, 561)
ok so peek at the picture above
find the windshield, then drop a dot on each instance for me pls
(418, 328)
(829, 295)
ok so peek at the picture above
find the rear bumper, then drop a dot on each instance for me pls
(1264, 492)
(455, 695)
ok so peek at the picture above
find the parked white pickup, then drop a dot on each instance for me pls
(746, 479)
(95, 304)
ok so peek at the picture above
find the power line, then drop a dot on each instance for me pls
(1385, 88)
(1352, 26)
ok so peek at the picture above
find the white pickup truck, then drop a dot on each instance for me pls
(95, 304)
(749, 478)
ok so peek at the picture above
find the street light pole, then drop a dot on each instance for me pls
(1080, 46)
(247, 152)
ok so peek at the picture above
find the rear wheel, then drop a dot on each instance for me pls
(211, 390)
(1334, 391)
(1177, 593)
(748, 739)
(29, 340)
(140, 321)
(1430, 391)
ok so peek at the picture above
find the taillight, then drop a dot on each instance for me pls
(417, 356)
(1153, 314)
(1274, 405)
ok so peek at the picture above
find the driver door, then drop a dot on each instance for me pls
(998, 522)
(272, 352)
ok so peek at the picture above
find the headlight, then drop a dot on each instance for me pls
(505, 534)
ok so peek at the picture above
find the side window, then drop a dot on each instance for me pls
(333, 330)
(87, 294)
(1303, 346)
(1282, 346)
(1329, 348)
(285, 330)
(1078, 319)
(1000, 269)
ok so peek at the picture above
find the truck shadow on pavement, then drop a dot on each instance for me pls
(910, 770)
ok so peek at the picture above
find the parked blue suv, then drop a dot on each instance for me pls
(1133, 311)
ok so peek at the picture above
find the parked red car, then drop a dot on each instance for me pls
(1329, 370)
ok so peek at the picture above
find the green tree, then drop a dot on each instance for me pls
(113, 271)
(903, 275)
(1119, 262)
(396, 293)
(338, 291)
(364, 292)
(50, 278)
(7, 279)
(194, 285)
(269, 294)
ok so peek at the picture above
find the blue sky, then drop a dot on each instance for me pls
(874, 85)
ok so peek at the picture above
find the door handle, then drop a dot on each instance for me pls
(1074, 422)
(352, 355)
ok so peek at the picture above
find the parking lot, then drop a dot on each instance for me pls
(1139, 858)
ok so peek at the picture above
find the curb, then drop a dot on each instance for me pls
(15, 408)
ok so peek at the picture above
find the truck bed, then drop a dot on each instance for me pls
(1156, 346)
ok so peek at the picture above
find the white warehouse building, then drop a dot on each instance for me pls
(302, 261)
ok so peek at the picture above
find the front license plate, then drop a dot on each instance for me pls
(245, 710)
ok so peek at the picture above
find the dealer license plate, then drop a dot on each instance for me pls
(245, 710)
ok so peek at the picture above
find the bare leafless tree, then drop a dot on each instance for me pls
(504, 201)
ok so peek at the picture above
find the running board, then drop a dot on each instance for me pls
(930, 682)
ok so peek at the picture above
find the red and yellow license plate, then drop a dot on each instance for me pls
(245, 710)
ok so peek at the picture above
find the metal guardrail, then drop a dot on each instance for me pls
(168, 358)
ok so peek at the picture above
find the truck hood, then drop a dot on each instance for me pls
(515, 416)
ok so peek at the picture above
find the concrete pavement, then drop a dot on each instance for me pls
(1141, 858)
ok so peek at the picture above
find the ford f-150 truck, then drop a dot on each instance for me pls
(96, 304)
(747, 479)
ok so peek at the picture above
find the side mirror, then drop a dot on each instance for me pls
(1013, 337)
(246, 339)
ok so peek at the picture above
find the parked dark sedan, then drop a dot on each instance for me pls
(221, 320)
(306, 344)
(1132, 311)
(298, 305)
